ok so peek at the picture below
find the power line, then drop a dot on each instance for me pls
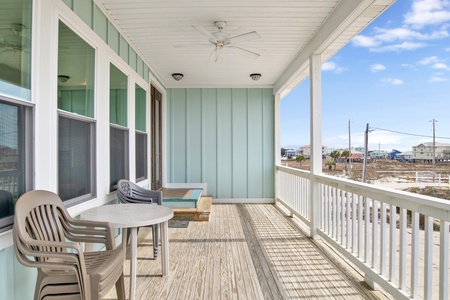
(406, 133)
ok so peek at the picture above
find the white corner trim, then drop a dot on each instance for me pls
(245, 200)
(6, 239)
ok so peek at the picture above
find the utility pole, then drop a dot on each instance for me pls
(366, 142)
(434, 149)
(349, 149)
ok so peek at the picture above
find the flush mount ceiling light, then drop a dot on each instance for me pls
(255, 76)
(63, 78)
(177, 76)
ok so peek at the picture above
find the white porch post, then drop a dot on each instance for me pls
(316, 141)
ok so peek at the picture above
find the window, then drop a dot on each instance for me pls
(15, 52)
(16, 166)
(118, 131)
(141, 134)
(76, 126)
(75, 159)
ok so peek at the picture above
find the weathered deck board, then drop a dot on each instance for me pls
(245, 251)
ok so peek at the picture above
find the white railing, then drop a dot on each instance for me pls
(9, 181)
(293, 191)
(389, 235)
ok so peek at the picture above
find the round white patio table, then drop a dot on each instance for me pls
(133, 216)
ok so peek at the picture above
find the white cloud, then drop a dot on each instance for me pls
(391, 81)
(429, 60)
(441, 66)
(403, 33)
(365, 41)
(407, 65)
(405, 46)
(428, 12)
(411, 35)
(447, 49)
(437, 79)
(332, 66)
(377, 67)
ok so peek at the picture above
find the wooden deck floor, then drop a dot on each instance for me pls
(245, 251)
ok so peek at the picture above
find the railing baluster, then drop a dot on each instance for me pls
(338, 217)
(383, 239)
(325, 207)
(354, 223)
(375, 235)
(443, 260)
(415, 255)
(349, 220)
(393, 244)
(330, 211)
(367, 230)
(428, 260)
(343, 200)
(360, 228)
(402, 254)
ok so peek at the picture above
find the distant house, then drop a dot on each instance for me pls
(290, 153)
(359, 149)
(406, 156)
(356, 156)
(306, 151)
(393, 154)
(377, 154)
(424, 152)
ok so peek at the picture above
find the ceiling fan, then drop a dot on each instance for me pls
(221, 41)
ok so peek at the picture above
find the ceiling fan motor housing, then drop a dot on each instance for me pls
(220, 24)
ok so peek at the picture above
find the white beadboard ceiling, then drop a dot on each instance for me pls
(290, 30)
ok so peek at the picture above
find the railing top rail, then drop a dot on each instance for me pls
(435, 207)
(294, 171)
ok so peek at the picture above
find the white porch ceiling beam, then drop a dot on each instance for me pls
(343, 15)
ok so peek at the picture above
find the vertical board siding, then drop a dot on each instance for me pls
(268, 144)
(193, 139)
(240, 144)
(224, 137)
(84, 9)
(224, 144)
(255, 142)
(178, 132)
(209, 139)
(100, 25)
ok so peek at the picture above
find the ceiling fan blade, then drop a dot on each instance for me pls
(244, 52)
(249, 36)
(212, 56)
(206, 33)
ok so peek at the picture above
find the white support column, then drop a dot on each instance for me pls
(316, 140)
(44, 95)
(277, 132)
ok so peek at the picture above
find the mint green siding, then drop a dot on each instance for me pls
(84, 9)
(18, 284)
(100, 25)
(224, 137)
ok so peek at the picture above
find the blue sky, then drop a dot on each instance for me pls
(394, 75)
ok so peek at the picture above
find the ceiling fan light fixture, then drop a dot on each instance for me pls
(177, 76)
(255, 76)
(63, 78)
